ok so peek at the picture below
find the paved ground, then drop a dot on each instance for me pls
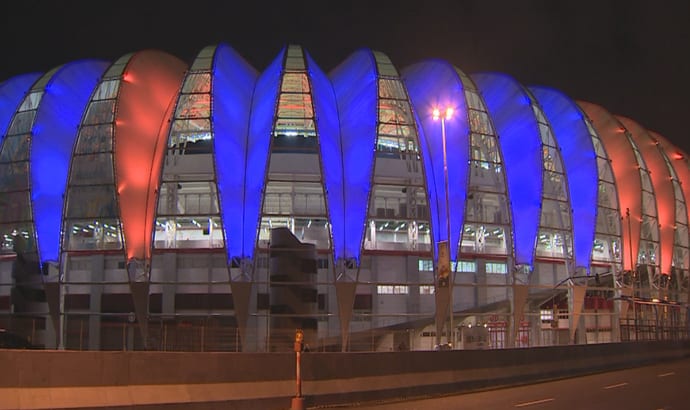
(662, 386)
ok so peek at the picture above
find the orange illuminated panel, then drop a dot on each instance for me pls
(663, 189)
(626, 172)
(150, 85)
(679, 161)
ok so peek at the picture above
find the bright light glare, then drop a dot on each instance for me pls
(436, 113)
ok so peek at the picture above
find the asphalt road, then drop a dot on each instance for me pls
(661, 386)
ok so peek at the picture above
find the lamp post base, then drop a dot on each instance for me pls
(297, 403)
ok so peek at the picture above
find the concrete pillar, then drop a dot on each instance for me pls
(169, 275)
(97, 263)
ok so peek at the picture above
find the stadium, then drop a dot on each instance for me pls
(152, 204)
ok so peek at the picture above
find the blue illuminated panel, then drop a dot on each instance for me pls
(570, 130)
(233, 84)
(350, 161)
(12, 93)
(511, 110)
(436, 84)
(55, 129)
(242, 207)
(327, 124)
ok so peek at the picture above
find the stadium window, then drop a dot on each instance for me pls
(467, 266)
(426, 265)
(426, 289)
(493, 267)
(392, 289)
(546, 315)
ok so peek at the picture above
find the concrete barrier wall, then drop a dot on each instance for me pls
(37, 379)
(110, 380)
(332, 378)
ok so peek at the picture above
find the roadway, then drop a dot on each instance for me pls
(660, 386)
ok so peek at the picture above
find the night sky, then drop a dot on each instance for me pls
(630, 56)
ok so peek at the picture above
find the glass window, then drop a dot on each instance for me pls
(194, 106)
(201, 63)
(395, 111)
(295, 127)
(389, 88)
(189, 130)
(107, 90)
(608, 221)
(397, 130)
(197, 83)
(92, 202)
(21, 123)
(467, 266)
(494, 267)
(295, 106)
(607, 195)
(188, 198)
(100, 112)
(646, 181)
(392, 289)
(386, 69)
(93, 234)
(92, 169)
(473, 100)
(555, 214)
(546, 315)
(484, 148)
(479, 122)
(13, 176)
(31, 101)
(648, 204)
(294, 63)
(194, 232)
(295, 83)
(15, 206)
(17, 237)
(95, 138)
(15, 148)
(425, 265)
(554, 186)
(426, 289)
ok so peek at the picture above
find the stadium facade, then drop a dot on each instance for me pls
(151, 204)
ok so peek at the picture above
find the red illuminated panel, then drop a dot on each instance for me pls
(627, 176)
(663, 189)
(679, 161)
(150, 85)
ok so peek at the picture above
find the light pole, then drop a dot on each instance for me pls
(633, 271)
(436, 115)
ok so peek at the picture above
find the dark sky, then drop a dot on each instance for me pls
(630, 56)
